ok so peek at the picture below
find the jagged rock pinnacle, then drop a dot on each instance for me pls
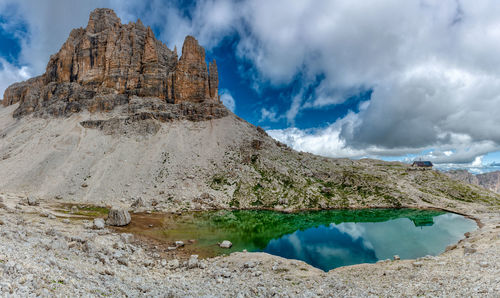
(115, 61)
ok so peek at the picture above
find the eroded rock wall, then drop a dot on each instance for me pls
(104, 64)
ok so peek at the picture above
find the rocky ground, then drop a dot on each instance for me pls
(45, 253)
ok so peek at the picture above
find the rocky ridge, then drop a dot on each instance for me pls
(490, 181)
(107, 63)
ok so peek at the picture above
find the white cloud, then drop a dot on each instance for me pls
(269, 115)
(10, 74)
(227, 99)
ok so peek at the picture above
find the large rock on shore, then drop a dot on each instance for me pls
(101, 66)
(118, 217)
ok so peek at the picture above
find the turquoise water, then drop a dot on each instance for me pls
(325, 239)
(349, 243)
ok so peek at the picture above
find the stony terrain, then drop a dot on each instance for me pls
(44, 253)
(490, 181)
(103, 159)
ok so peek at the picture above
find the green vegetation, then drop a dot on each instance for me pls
(85, 210)
(218, 182)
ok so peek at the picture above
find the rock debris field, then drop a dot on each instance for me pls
(44, 253)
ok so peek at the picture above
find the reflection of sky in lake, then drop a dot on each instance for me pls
(354, 243)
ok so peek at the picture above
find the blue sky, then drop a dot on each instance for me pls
(382, 79)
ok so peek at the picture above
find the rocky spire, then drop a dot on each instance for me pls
(108, 57)
(213, 80)
(191, 74)
(101, 19)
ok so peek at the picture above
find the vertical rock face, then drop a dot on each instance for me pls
(191, 75)
(213, 80)
(115, 61)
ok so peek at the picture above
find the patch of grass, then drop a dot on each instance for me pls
(92, 210)
(218, 181)
(257, 187)
(85, 210)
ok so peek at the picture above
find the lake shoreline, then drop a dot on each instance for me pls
(60, 256)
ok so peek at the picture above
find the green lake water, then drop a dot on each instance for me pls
(324, 239)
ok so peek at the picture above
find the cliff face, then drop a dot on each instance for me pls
(106, 63)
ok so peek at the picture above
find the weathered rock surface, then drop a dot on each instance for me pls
(118, 217)
(98, 224)
(226, 244)
(103, 65)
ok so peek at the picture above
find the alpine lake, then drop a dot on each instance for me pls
(324, 239)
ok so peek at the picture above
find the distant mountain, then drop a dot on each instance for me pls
(490, 181)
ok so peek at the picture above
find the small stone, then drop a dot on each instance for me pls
(84, 185)
(226, 244)
(257, 273)
(417, 264)
(483, 264)
(249, 264)
(191, 241)
(32, 201)
(51, 216)
(193, 261)
(74, 209)
(126, 237)
(467, 235)
(173, 264)
(163, 262)
(1, 222)
(66, 221)
(202, 265)
(179, 243)
(122, 261)
(469, 250)
(451, 247)
(139, 202)
(396, 258)
(170, 248)
(98, 224)
(109, 272)
(118, 217)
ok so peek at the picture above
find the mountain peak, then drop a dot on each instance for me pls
(107, 63)
(101, 19)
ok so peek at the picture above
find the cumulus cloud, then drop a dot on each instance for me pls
(10, 74)
(432, 66)
(227, 99)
